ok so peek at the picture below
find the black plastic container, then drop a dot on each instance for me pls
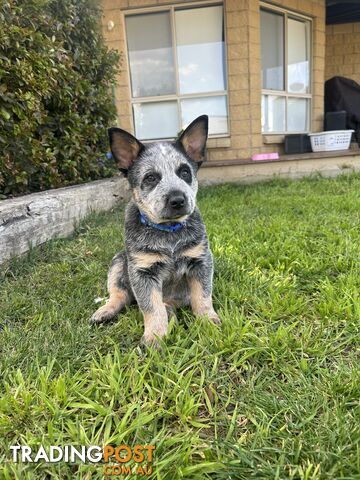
(335, 120)
(297, 143)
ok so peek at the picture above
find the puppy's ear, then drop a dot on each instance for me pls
(124, 147)
(193, 139)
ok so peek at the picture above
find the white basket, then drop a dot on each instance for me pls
(331, 140)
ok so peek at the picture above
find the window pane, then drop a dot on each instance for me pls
(272, 50)
(297, 115)
(273, 113)
(156, 120)
(150, 54)
(298, 56)
(215, 107)
(200, 49)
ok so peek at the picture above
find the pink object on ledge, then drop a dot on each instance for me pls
(265, 156)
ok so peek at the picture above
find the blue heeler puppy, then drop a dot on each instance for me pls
(167, 262)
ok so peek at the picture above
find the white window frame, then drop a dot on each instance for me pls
(284, 93)
(177, 96)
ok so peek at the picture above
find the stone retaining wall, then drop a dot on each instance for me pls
(33, 219)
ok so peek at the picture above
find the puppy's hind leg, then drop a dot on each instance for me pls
(119, 289)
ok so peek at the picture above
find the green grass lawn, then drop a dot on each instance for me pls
(272, 394)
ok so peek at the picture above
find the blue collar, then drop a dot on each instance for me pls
(159, 226)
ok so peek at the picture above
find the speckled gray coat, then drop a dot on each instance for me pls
(161, 269)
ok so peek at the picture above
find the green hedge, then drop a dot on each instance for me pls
(55, 94)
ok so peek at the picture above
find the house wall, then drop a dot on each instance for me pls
(242, 19)
(343, 51)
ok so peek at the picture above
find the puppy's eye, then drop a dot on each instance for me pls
(185, 174)
(150, 178)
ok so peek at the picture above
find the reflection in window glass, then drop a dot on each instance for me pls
(297, 116)
(272, 50)
(273, 113)
(200, 49)
(156, 120)
(177, 56)
(298, 56)
(215, 107)
(290, 111)
(150, 54)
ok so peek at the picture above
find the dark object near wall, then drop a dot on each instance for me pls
(335, 120)
(342, 11)
(344, 94)
(297, 143)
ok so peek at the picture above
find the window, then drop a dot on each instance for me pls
(177, 69)
(285, 72)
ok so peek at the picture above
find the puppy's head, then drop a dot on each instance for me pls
(162, 175)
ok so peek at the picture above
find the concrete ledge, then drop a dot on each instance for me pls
(284, 158)
(33, 219)
(294, 167)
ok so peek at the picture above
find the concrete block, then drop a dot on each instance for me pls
(34, 219)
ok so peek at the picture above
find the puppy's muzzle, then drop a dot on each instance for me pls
(177, 204)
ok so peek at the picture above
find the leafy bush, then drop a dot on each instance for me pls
(55, 94)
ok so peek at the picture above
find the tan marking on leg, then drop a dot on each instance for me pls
(118, 298)
(147, 260)
(194, 252)
(155, 321)
(117, 295)
(115, 272)
(201, 305)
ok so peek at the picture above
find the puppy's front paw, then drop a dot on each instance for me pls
(214, 317)
(150, 341)
(103, 314)
(152, 336)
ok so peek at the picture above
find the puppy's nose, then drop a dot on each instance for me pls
(176, 200)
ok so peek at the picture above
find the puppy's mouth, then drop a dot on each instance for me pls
(178, 219)
(165, 220)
